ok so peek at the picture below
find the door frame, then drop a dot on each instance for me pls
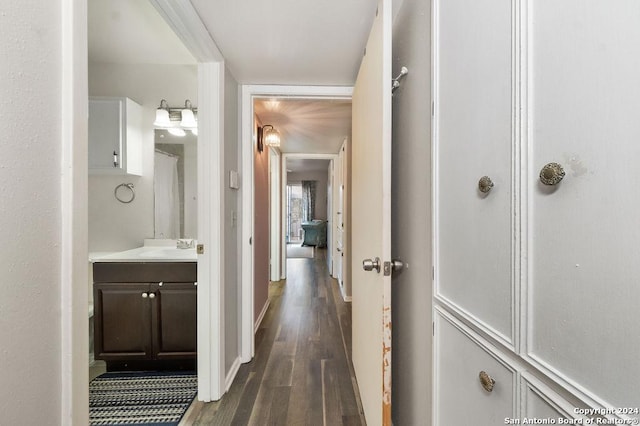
(249, 94)
(182, 17)
(184, 20)
(283, 232)
(275, 246)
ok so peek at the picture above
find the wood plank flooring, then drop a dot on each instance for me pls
(302, 373)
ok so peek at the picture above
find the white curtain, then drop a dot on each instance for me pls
(167, 203)
(308, 200)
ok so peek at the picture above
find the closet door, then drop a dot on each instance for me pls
(475, 389)
(584, 231)
(473, 139)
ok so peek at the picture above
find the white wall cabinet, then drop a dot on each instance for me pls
(115, 136)
(541, 276)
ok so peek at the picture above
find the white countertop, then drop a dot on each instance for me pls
(152, 251)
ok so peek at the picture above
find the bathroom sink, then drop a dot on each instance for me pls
(169, 253)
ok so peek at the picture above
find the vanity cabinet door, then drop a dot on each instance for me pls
(122, 321)
(174, 317)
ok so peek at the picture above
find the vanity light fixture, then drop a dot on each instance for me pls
(270, 136)
(177, 120)
(162, 115)
(188, 118)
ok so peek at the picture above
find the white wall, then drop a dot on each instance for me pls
(411, 216)
(30, 216)
(321, 189)
(231, 220)
(115, 226)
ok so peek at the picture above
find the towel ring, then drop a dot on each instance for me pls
(122, 199)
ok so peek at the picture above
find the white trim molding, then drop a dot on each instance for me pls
(74, 398)
(186, 23)
(261, 316)
(211, 264)
(233, 370)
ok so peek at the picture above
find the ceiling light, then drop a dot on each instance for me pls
(176, 131)
(271, 136)
(188, 118)
(162, 115)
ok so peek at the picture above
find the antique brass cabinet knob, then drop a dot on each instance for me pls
(551, 174)
(486, 381)
(485, 184)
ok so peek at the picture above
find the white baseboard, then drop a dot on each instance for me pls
(261, 316)
(232, 374)
(344, 296)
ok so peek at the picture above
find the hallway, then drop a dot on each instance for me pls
(302, 372)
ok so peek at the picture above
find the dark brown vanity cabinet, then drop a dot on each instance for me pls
(145, 311)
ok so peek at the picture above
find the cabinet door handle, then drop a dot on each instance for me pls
(160, 284)
(145, 295)
(486, 381)
(115, 159)
(485, 184)
(152, 295)
(551, 174)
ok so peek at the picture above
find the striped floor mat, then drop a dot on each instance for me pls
(148, 398)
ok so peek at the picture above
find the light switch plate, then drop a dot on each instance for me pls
(233, 179)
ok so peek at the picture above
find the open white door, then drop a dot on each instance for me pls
(371, 230)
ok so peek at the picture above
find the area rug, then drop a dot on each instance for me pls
(295, 251)
(147, 398)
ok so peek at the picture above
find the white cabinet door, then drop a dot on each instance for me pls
(584, 233)
(114, 136)
(473, 138)
(460, 398)
(106, 133)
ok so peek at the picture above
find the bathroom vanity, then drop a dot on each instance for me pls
(145, 309)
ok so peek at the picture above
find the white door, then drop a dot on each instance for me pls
(371, 229)
(584, 100)
(544, 98)
(474, 206)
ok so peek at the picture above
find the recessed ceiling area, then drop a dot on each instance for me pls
(307, 125)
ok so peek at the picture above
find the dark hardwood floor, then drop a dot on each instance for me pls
(302, 372)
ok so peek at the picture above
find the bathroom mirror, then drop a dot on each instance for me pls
(175, 185)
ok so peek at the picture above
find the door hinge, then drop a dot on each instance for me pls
(433, 329)
(250, 240)
(433, 108)
(433, 273)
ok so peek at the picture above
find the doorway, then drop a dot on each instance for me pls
(271, 96)
(294, 213)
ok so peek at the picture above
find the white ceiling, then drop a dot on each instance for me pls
(132, 32)
(307, 165)
(307, 125)
(290, 42)
(307, 43)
